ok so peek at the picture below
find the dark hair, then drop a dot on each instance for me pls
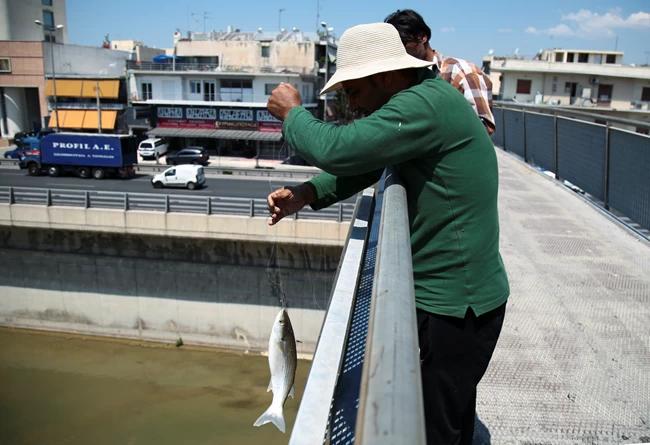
(409, 24)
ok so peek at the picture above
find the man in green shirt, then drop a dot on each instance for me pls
(427, 129)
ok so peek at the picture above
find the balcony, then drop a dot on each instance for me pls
(216, 68)
(210, 98)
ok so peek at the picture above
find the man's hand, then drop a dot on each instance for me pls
(288, 200)
(283, 98)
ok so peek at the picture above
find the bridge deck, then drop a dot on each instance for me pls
(573, 362)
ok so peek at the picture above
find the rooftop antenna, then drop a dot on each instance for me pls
(280, 11)
(205, 15)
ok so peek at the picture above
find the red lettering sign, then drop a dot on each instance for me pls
(235, 125)
(202, 124)
(275, 127)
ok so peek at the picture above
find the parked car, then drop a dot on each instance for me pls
(189, 155)
(149, 148)
(188, 176)
(16, 153)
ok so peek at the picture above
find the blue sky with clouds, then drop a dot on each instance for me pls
(466, 29)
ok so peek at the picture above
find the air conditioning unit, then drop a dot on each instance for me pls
(594, 80)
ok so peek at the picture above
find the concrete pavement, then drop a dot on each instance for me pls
(573, 362)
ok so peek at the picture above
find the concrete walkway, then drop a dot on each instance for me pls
(573, 362)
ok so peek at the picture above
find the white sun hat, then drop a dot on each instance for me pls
(369, 49)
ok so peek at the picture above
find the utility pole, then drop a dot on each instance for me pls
(99, 109)
(51, 30)
(327, 44)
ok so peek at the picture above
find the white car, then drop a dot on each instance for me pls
(188, 176)
(149, 148)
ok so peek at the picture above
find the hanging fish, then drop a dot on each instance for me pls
(282, 362)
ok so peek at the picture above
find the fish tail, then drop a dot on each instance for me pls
(274, 415)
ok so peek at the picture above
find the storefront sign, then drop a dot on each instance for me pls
(236, 115)
(265, 116)
(199, 124)
(168, 112)
(271, 126)
(233, 125)
(201, 113)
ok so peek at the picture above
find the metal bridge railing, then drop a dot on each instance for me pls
(610, 164)
(172, 203)
(364, 385)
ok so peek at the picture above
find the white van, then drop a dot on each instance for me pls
(189, 176)
(150, 147)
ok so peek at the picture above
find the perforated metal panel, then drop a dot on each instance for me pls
(539, 141)
(514, 131)
(629, 175)
(581, 155)
(346, 398)
(497, 136)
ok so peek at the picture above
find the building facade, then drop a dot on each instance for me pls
(17, 20)
(594, 80)
(213, 92)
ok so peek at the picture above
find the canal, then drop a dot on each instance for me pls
(67, 389)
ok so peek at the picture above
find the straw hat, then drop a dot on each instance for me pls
(365, 50)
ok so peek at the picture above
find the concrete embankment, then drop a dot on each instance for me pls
(216, 292)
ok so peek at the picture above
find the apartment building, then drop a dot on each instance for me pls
(213, 92)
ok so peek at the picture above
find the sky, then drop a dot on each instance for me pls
(468, 29)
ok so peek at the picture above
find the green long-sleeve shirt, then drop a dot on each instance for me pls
(448, 165)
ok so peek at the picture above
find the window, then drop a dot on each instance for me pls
(5, 65)
(645, 94)
(269, 87)
(605, 93)
(266, 51)
(305, 93)
(171, 173)
(554, 88)
(160, 142)
(598, 59)
(559, 57)
(583, 57)
(567, 87)
(48, 19)
(236, 83)
(195, 86)
(611, 58)
(523, 86)
(147, 91)
(146, 145)
(569, 57)
(46, 2)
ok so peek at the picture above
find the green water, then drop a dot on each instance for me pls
(60, 389)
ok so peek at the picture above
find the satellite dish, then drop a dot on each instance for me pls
(491, 52)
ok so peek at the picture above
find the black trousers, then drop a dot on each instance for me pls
(454, 355)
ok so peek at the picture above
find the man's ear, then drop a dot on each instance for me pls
(385, 79)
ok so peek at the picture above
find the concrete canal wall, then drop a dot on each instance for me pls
(215, 292)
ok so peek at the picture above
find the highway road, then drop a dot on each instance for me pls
(221, 186)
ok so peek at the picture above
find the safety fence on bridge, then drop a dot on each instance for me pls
(168, 203)
(364, 384)
(611, 165)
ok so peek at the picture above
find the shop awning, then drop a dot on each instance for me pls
(108, 89)
(108, 120)
(64, 88)
(215, 134)
(83, 119)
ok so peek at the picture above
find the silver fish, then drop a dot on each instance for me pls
(282, 362)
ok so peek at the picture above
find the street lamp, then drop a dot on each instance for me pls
(280, 18)
(327, 34)
(51, 31)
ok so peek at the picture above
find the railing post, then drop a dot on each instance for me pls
(209, 206)
(48, 199)
(126, 201)
(555, 146)
(503, 126)
(12, 198)
(523, 113)
(251, 210)
(166, 203)
(606, 193)
(340, 212)
(295, 215)
(87, 199)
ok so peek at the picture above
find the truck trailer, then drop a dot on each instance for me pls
(84, 155)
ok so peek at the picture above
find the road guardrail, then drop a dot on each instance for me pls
(174, 203)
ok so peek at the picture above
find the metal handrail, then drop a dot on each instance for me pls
(313, 415)
(569, 112)
(176, 203)
(391, 409)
